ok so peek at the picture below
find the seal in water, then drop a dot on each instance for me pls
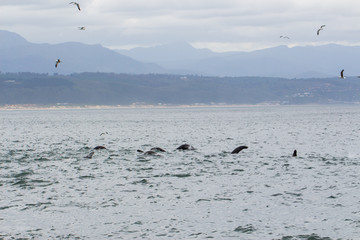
(157, 149)
(238, 149)
(294, 153)
(99, 147)
(150, 153)
(185, 147)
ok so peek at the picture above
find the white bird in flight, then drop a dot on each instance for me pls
(284, 37)
(75, 3)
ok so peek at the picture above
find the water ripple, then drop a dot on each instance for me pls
(49, 190)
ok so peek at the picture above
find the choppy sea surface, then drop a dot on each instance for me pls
(48, 190)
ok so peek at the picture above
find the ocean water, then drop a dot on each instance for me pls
(48, 190)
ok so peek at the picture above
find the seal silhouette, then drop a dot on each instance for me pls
(238, 149)
(152, 151)
(99, 147)
(157, 149)
(185, 147)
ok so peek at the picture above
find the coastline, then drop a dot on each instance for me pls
(14, 107)
(29, 107)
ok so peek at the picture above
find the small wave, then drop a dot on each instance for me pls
(41, 205)
(142, 181)
(21, 183)
(277, 194)
(294, 194)
(246, 229)
(41, 183)
(87, 177)
(182, 175)
(239, 170)
(41, 159)
(222, 199)
(305, 237)
(7, 207)
(23, 174)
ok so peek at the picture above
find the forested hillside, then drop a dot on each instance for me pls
(125, 89)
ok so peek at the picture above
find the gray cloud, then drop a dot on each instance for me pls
(221, 25)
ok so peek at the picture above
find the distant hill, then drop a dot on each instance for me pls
(19, 55)
(282, 61)
(126, 89)
(173, 56)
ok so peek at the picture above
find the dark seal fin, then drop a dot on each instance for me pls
(238, 149)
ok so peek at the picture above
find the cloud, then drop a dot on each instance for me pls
(237, 24)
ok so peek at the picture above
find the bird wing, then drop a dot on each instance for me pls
(75, 3)
(57, 62)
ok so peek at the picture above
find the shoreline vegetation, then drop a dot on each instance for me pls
(132, 106)
(86, 90)
(30, 107)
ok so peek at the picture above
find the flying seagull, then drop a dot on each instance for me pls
(284, 37)
(321, 28)
(75, 3)
(57, 62)
(342, 74)
(81, 28)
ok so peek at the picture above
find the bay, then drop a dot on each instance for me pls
(48, 189)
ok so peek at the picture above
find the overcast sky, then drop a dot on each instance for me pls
(221, 25)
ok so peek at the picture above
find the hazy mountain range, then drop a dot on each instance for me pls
(282, 61)
(19, 55)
